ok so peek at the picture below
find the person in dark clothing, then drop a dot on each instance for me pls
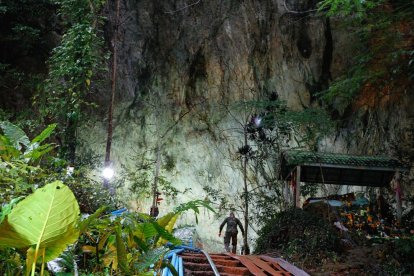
(231, 232)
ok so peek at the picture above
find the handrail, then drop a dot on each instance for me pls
(177, 262)
(210, 261)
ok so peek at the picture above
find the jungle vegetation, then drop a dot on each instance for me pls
(54, 58)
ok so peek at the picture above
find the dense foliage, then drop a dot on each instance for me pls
(26, 164)
(356, 8)
(28, 32)
(298, 236)
(20, 159)
(51, 54)
(43, 224)
(398, 257)
(72, 68)
(131, 243)
(382, 69)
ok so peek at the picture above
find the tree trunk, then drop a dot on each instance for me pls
(111, 105)
(154, 207)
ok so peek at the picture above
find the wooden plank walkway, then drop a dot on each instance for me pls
(262, 265)
(232, 265)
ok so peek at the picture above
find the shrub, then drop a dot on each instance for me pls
(298, 235)
(402, 252)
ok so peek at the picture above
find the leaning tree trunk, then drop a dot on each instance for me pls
(111, 105)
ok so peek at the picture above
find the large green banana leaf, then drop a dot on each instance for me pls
(46, 219)
(16, 136)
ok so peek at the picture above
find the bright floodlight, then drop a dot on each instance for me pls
(108, 173)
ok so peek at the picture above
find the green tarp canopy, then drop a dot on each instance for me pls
(340, 169)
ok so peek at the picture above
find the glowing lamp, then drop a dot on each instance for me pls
(108, 173)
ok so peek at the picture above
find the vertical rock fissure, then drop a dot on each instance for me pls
(327, 56)
(321, 84)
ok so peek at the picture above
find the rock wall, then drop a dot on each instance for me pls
(217, 49)
(182, 63)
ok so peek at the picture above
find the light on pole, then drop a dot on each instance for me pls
(108, 173)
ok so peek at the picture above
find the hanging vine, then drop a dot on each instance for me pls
(72, 68)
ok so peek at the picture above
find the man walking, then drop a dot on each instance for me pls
(231, 232)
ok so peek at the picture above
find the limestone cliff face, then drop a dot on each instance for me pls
(179, 61)
(216, 49)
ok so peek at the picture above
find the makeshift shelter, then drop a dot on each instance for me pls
(339, 169)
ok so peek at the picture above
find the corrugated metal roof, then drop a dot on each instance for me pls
(340, 169)
(297, 157)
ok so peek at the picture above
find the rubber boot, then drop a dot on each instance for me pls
(233, 249)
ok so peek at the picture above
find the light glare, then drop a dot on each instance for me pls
(108, 173)
(257, 121)
(69, 171)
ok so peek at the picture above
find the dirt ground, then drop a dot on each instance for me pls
(360, 260)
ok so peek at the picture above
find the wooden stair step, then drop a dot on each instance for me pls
(201, 273)
(238, 270)
(227, 262)
(194, 259)
(197, 266)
